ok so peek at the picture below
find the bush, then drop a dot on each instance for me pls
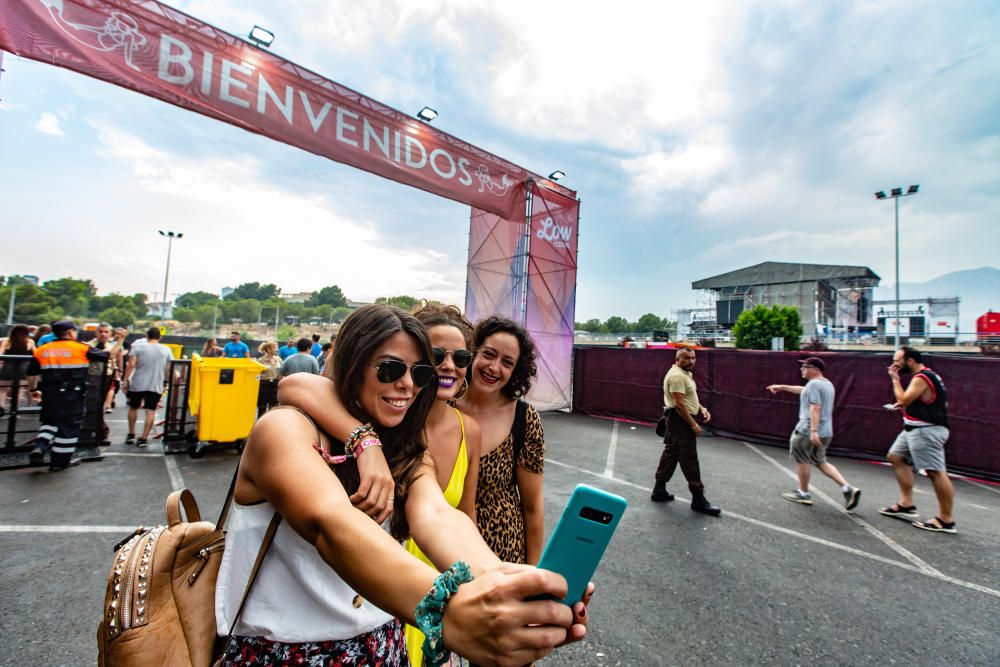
(706, 342)
(756, 327)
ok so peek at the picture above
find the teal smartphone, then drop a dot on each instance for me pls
(581, 536)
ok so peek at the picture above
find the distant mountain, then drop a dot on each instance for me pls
(978, 289)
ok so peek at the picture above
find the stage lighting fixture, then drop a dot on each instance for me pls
(427, 114)
(556, 175)
(880, 194)
(261, 36)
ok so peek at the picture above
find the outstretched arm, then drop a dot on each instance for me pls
(316, 396)
(790, 388)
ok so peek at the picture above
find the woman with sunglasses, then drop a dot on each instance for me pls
(334, 584)
(509, 502)
(452, 440)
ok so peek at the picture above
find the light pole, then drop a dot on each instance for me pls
(895, 194)
(166, 277)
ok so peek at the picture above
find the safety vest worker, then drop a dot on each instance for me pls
(63, 365)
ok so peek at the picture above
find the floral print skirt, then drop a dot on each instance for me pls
(382, 647)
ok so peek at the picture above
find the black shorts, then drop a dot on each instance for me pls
(143, 399)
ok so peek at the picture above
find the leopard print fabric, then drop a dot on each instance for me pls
(498, 504)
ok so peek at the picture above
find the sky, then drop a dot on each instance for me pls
(701, 137)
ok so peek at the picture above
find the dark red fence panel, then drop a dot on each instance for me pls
(627, 384)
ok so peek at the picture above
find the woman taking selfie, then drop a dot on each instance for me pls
(334, 584)
(452, 440)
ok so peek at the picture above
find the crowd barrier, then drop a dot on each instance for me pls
(628, 384)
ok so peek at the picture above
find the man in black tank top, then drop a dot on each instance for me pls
(920, 445)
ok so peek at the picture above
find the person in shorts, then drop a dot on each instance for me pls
(813, 433)
(144, 380)
(920, 445)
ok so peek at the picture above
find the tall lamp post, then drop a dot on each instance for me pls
(166, 277)
(895, 194)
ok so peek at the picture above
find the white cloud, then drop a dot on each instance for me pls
(48, 123)
(239, 227)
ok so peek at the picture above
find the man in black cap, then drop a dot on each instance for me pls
(63, 366)
(813, 432)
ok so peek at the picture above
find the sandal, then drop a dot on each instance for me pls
(897, 511)
(936, 525)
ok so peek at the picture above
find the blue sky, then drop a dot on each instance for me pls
(701, 137)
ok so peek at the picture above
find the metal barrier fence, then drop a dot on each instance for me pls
(20, 421)
(178, 428)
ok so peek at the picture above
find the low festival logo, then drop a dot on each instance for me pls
(557, 235)
(120, 31)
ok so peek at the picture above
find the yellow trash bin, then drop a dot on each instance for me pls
(175, 348)
(223, 397)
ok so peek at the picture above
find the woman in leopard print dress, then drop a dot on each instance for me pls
(509, 502)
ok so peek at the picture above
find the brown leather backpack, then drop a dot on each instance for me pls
(159, 608)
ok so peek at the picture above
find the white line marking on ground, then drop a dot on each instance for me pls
(803, 536)
(66, 529)
(609, 467)
(133, 454)
(888, 541)
(980, 485)
(176, 481)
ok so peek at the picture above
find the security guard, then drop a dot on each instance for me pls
(63, 365)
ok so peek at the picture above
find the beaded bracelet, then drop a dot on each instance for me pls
(429, 611)
(357, 435)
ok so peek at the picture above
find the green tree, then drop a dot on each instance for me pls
(402, 301)
(756, 327)
(253, 290)
(592, 325)
(206, 315)
(328, 296)
(185, 315)
(340, 314)
(71, 294)
(195, 299)
(118, 316)
(140, 300)
(616, 324)
(649, 322)
(33, 305)
(99, 304)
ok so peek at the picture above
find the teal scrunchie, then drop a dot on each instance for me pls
(430, 611)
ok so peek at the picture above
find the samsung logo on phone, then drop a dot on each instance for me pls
(584, 539)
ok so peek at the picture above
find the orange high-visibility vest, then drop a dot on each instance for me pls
(62, 355)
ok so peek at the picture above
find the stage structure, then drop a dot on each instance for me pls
(153, 49)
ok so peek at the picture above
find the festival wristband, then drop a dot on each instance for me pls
(370, 441)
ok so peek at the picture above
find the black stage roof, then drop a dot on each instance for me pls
(769, 273)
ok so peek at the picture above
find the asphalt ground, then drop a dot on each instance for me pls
(769, 582)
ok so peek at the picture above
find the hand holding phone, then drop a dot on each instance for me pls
(583, 533)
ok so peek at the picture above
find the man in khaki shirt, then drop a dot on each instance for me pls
(680, 398)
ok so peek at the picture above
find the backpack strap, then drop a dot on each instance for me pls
(519, 428)
(272, 528)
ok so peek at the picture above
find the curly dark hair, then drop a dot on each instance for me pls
(433, 315)
(525, 370)
(360, 335)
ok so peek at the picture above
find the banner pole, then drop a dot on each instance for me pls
(526, 240)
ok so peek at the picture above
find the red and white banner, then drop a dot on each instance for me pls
(156, 50)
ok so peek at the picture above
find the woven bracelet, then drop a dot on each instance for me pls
(430, 611)
(356, 436)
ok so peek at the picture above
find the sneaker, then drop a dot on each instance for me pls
(936, 525)
(851, 498)
(898, 511)
(72, 463)
(130, 439)
(797, 497)
(141, 442)
(661, 495)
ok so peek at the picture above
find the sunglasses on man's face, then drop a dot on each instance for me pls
(460, 357)
(391, 370)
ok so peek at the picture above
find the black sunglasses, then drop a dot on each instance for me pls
(390, 370)
(461, 357)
